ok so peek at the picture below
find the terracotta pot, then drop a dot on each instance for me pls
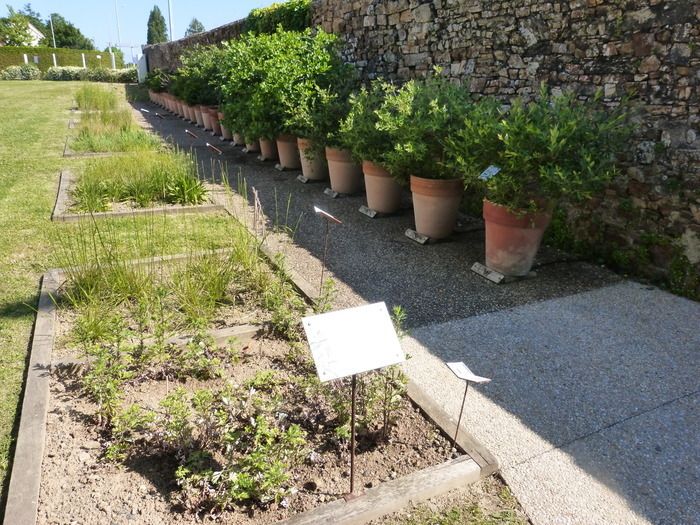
(288, 151)
(512, 239)
(199, 118)
(214, 120)
(268, 149)
(313, 167)
(206, 118)
(344, 172)
(252, 147)
(225, 132)
(181, 108)
(435, 205)
(383, 192)
(238, 139)
(191, 115)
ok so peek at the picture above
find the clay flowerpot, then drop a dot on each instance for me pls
(199, 118)
(512, 239)
(383, 192)
(344, 172)
(313, 166)
(252, 147)
(191, 115)
(206, 118)
(214, 120)
(225, 132)
(288, 151)
(435, 205)
(238, 139)
(268, 149)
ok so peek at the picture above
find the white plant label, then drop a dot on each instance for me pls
(489, 172)
(462, 371)
(352, 341)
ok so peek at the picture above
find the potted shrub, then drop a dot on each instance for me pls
(537, 154)
(316, 104)
(368, 144)
(419, 118)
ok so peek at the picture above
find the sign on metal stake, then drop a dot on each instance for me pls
(329, 219)
(462, 371)
(348, 342)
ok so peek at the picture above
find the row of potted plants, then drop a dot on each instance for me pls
(292, 93)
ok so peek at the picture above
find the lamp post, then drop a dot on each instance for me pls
(53, 36)
(170, 18)
(116, 14)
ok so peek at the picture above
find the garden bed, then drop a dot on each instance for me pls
(65, 208)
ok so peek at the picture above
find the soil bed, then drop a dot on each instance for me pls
(80, 486)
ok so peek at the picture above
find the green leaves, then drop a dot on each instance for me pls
(547, 149)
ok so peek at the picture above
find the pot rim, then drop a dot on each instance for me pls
(500, 214)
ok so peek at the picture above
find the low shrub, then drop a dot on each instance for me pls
(157, 80)
(125, 76)
(23, 72)
(144, 179)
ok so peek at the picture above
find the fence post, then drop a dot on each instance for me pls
(53, 56)
(83, 56)
(26, 60)
(114, 64)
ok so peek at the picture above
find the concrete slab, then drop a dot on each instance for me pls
(592, 411)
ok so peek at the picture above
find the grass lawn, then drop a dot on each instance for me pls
(33, 130)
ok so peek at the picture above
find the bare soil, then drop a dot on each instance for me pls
(80, 487)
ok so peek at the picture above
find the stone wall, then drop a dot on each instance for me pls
(649, 219)
(166, 56)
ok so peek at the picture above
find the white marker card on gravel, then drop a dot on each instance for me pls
(462, 371)
(352, 341)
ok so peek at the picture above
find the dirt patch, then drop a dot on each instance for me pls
(79, 486)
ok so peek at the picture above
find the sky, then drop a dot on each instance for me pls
(96, 18)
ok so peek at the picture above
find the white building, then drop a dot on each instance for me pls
(36, 35)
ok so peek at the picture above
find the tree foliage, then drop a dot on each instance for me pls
(14, 29)
(195, 27)
(69, 36)
(157, 31)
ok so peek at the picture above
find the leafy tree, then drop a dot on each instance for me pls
(118, 53)
(67, 35)
(195, 27)
(157, 32)
(35, 18)
(14, 29)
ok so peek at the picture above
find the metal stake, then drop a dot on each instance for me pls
(461, 411)
(323, 262)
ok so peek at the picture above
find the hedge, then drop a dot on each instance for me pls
(14, 56)
(126, 75)
(293, 15)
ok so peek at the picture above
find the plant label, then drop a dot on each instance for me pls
(415, 236)
(322, 213)
(351, 341)
(368, 211)
(489, 172)
(488, 273)
(330, 193)
(462, 371)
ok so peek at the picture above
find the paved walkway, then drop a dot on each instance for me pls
(593, 408)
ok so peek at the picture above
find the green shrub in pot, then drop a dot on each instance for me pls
(545, 150)
(358, 131)
(419, 118)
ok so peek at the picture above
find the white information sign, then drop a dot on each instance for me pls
(352, 341)
(462, 371)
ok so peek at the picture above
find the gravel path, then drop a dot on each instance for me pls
(593, 408)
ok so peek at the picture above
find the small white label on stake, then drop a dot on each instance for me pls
(489, 172)
(352, 341)
(462, 371)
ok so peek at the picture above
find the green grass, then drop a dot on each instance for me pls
(91, 97)
(112, 131)
(33, 130)
(142, 179)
